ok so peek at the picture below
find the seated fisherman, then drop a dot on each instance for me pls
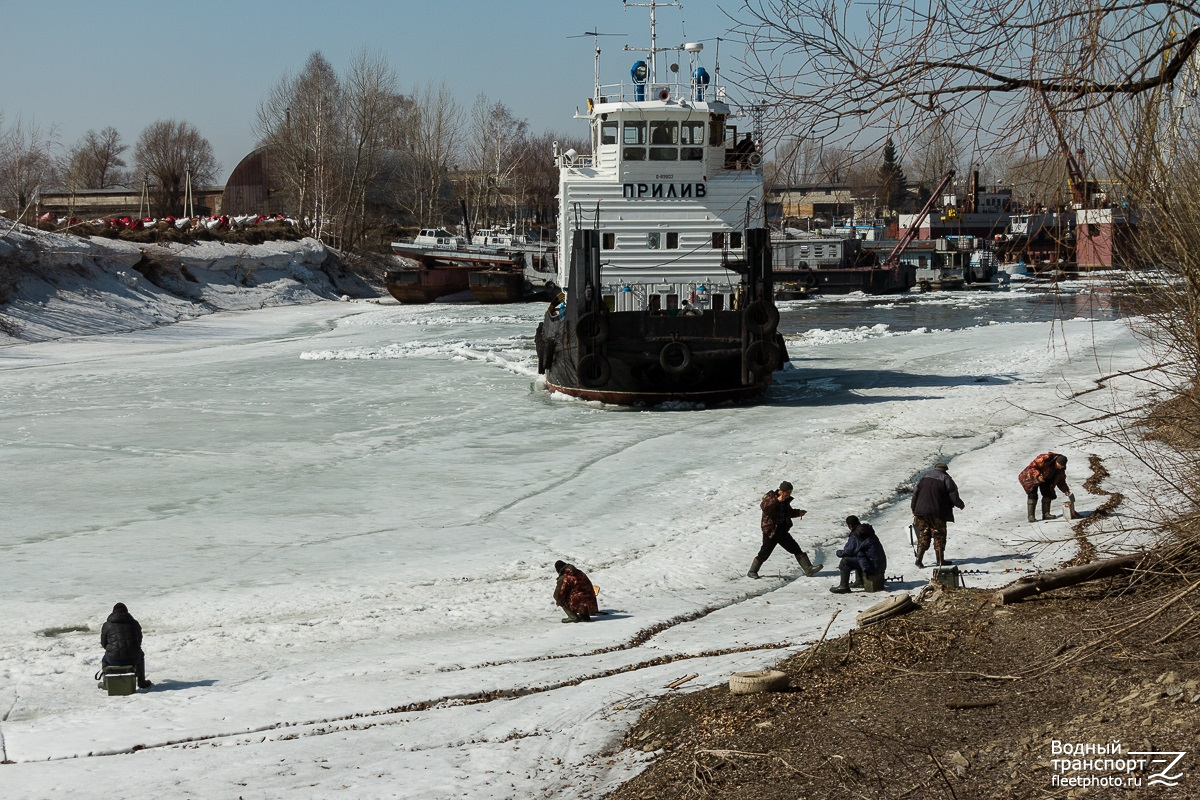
(862, 553)
(121, 638)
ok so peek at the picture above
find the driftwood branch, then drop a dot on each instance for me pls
(1046, 581)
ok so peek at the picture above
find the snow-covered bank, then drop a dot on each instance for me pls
(55, 285)
(337, 523)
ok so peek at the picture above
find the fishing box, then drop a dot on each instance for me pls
(873, 583)
(119, 680)
(947, 575)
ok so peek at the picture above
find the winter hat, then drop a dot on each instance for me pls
(942, 467)
(852, 521)
(785, 487)
(1061, 460)
(120, 608)
(559, 566)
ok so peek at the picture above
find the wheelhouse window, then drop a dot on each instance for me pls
(608, 132)
(662, 134)
(634, 133)
(691, 136)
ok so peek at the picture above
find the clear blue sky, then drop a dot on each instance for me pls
(80, 65)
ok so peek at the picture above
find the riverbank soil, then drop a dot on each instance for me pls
(959, 699)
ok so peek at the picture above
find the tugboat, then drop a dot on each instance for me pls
(664, 255)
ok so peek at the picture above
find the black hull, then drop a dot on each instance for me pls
(844, 280)
(647, 359)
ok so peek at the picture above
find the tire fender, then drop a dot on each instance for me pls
(592, 327)
(594, 370)
(764, 355)
(761, 317)
(675, 357)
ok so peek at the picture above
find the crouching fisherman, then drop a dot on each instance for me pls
(862, 554)
(574, 593)
(121, 638)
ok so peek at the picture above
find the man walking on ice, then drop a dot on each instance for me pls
(777, 516)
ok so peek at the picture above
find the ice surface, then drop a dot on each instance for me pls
(336, 523)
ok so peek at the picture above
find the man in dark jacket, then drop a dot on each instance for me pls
(863, 552)
(933, 504)
(574, 593)
(121, 638)
(777, 516)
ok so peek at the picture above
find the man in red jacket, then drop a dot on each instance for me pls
(574, 593)
(1043, 474)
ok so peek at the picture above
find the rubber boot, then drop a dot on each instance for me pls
(754, 565)
(1032, 510)
(806, 565)
(1046, 509)
(857, 583)
(844, 586)
(920, 562)
(571, 616)
(940, 552)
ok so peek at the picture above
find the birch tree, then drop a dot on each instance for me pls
(26, 164)
(494, 156)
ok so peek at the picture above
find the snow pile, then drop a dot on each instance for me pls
(55, 285)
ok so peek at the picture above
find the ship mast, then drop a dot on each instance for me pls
(654, 48)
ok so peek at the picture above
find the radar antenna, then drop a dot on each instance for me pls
(596, 44)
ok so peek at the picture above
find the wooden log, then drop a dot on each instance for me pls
(1046, 581)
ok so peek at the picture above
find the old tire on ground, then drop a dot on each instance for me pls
(892, 607)
(762, 680)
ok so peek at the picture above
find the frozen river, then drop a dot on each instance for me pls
(336, 524)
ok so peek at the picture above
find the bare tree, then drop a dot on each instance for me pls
(95, 162)
(166, 154)
(934, 153)
(839, 68)
(432, 138)
(493, 155)
(372, 108)
(300, 124)
(26, 164)
(535, 180)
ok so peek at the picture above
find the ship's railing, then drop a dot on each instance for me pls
(677, 90)
(577, 160)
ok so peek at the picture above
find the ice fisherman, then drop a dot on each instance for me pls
(574, 593)
(862, 553)
(777, 516)
(121, 638)
(1044, 473)
(933, 504)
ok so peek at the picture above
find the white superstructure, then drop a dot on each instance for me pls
(671, 184)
